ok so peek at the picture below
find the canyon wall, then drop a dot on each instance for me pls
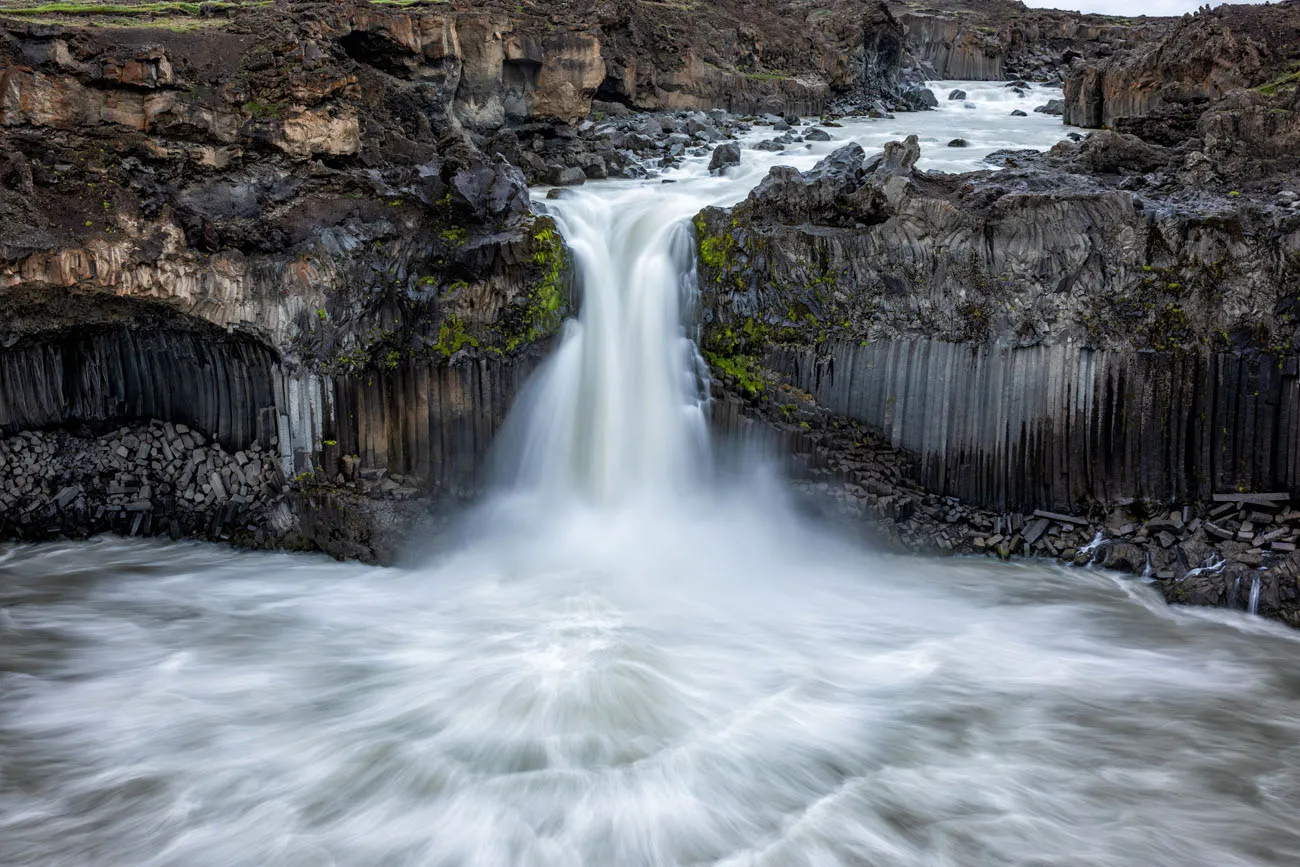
(995, 41)
(1225, 76)
(1063, 427)
(1039, 337)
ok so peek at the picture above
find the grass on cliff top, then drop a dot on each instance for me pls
(1289, 81)
(10, 7)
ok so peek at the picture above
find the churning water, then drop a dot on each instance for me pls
(621, 664)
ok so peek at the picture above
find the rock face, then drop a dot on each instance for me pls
(1040, 337)
(993, 40)
(1174, 83)
(257, 232)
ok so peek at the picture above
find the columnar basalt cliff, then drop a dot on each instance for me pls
(1001, 39)
(1081, 330)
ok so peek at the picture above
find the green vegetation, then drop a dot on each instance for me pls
(1289, 81)
(452, 337)
(746, 370)
(262, 110)
(545, 308)
(455, 235)
(169, 8)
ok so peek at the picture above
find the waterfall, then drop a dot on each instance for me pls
(620, 409)
(1252, 607)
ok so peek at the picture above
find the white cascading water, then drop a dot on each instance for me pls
(620, 409)
(619, 665)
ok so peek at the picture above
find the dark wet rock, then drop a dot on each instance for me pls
(920, 99)
(490, 192)
(817, 135)
(1054, 107)
(1110, 152)
(769, 145)
(957, 94)
(1019, 113)
(1122, 556)
(562, 176)
(959, 143)
(897, 159)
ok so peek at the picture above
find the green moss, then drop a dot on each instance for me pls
(746, 370)
(123, 8)
(454, 235)
(1288, 81)
(452, 337)
(262, 110)
(544, 309)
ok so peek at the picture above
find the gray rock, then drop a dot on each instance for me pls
(817, 135)
(957, 95)
(1123, 556)
(1054, 107)
(959, 143)
(1019, 113)
(920, 99)
(565, 176)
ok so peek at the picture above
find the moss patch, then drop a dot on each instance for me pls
(452, 337)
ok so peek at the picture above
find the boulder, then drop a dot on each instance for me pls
(565, 176)
(816, 134)
(959, 143)
(1111, 152)
(1054, 107)
(957, 95)
(920, 99)
(724, 156)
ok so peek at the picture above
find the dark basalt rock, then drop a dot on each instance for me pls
(724, 156)
(957, 95)
(490, 192)
(561, 176)
(1054, 107)
(959, 143)
(817, 135)
(920, 99)
(1019, 113)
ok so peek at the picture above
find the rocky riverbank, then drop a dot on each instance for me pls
(164, 479)
(1231, 550)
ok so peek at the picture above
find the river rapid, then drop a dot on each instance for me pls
(621, 658)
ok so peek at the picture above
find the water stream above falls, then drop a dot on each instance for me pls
(620, 663)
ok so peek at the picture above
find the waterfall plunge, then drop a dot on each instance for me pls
(620, 410)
